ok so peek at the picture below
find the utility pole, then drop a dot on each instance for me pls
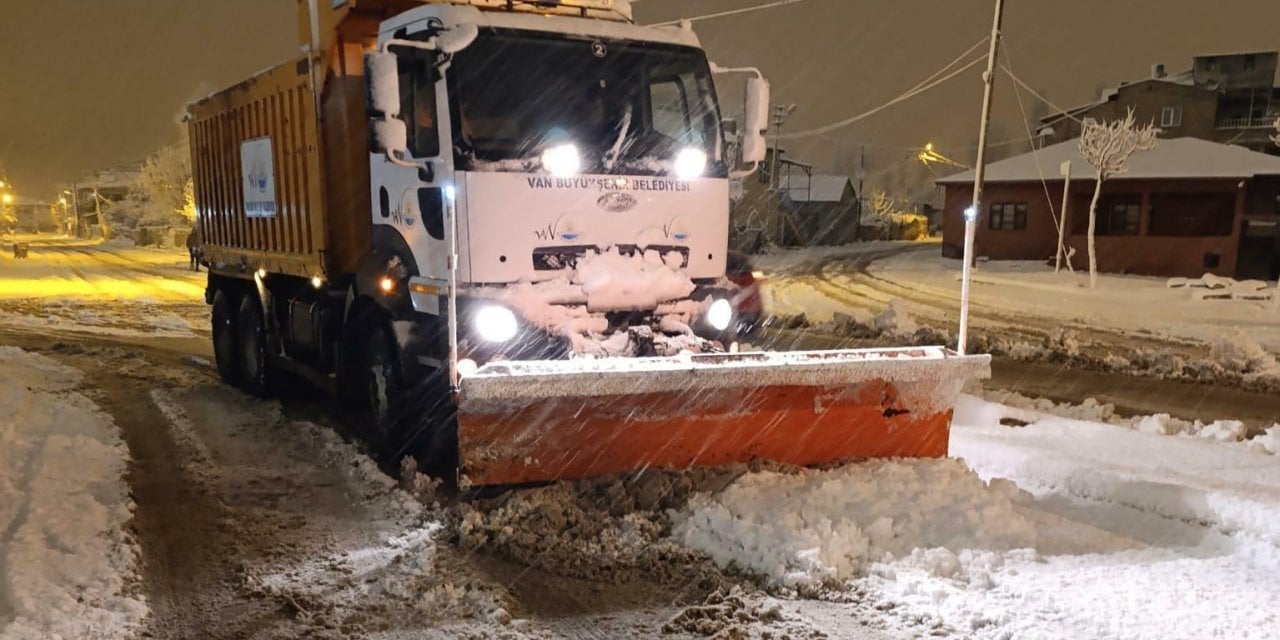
(75, 202)
(780, 113)
(1065, 170)
(862, 178)
(979, 176)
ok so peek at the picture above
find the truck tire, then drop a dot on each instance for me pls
(383, 385)
(224, 338)
(251, 347)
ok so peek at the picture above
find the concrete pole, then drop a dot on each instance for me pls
(1065, 170)
(979, 175)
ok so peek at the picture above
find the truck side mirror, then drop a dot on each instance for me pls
(456, 38)
(754, 145)
(383, 79)
(387, 133)
(390, 136)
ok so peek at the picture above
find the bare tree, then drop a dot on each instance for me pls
(1108, 148)
(166, 184)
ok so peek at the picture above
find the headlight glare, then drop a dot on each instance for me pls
(690, 163)
(562, 161)
(496, 324)
(720, 314)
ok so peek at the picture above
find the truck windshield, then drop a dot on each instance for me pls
(629, 107)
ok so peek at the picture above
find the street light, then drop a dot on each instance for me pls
(6, 198)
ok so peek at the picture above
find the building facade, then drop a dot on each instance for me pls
(797, 208)
(1231, 99)
(1186, 208)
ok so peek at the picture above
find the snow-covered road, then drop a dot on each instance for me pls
(68, 285)
(68, 567)
(139, 497)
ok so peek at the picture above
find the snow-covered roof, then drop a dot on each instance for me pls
(817, 188)
(1172, 159)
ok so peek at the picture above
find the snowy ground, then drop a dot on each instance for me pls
(1056, 529)
(903, 293)
(140, 498)
(81, 286)
(68, 567)
(863, 279)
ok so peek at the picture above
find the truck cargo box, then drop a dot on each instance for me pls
(280, 160)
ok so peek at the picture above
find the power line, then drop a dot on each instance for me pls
(862, 116)
(1019, 82)
(935, 79)
(1035, 152)
(723, 14)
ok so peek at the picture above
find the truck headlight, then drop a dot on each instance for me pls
(562, 161)
(691, 163)
(496, 324)
(720, 315)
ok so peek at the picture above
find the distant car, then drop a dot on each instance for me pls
(749, 303)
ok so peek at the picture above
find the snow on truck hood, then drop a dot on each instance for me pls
(606, 281)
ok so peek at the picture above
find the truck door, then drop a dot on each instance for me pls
(409, 197)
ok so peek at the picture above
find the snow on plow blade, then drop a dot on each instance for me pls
(522, 422)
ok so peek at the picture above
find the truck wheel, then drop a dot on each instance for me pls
(251, 345)
(383, 385)
(224, 338)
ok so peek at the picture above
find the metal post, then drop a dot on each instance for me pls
(980, 173)
(1065, 170)
(775, 181)
(97, 209)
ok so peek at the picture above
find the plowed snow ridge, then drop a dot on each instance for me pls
(67, 567)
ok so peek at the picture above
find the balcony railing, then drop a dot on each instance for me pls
(1266, 122)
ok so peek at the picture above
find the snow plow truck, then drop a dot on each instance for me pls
(499, 230)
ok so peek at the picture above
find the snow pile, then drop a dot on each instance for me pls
(67, 567)
(1190, 479)
(813, 527)
(1243, 355)
(1214, 287)
(1268, 441)
(725, 614)
(607, 529)
(1155, 538)
(896, 320)
(1028, 410)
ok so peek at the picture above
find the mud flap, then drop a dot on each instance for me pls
(523, 422)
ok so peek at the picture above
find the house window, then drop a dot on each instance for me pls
(1211, 63)
(1250, 62)
(1008, 216)
(1119, 217)
(1193, 214)
(1171, 117)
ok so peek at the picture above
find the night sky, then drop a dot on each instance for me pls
(87, 84)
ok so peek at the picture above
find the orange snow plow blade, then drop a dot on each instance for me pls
(523, 422)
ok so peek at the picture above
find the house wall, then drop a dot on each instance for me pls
(1148, 97)
(1238, 70)
(36, 218)
(1143, 254)
(1037, 242)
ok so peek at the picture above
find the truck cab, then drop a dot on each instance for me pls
(566, 178)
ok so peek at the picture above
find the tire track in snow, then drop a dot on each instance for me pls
(26, 477)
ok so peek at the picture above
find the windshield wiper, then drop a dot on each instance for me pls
(611, 156)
